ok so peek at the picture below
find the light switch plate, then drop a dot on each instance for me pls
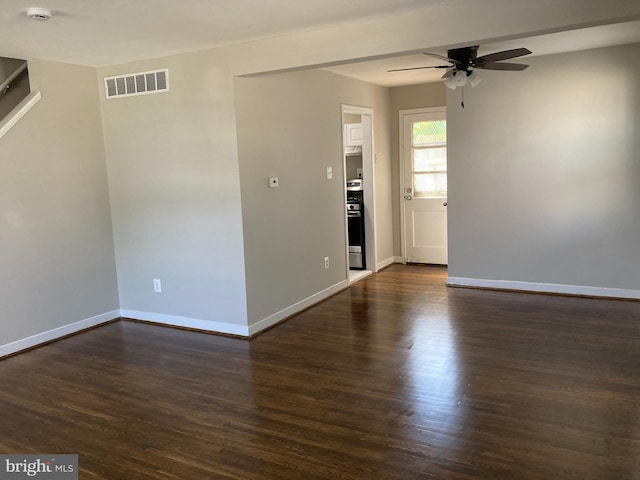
(329, 173)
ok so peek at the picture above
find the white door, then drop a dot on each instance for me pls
(424, 184)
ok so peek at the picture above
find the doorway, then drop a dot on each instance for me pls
(423, 154)
(358, 164)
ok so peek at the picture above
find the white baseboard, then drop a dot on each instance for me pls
(187, 322)
(544, 288)
(171, 320)
(389, 261)
(229, 328)
(296, 307)
(56, 333)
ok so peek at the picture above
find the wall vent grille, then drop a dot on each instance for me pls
(142, 83)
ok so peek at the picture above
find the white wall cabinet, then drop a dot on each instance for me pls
(352, 134)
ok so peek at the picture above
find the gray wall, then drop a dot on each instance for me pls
(55, 228)
(405, 98)
(175, 195)
(290, 126)
(544, 173)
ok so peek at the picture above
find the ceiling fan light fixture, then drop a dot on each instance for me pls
(450, 83)
(460, 78)
(474, 78)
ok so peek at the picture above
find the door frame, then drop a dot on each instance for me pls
(401, 132)
(368, 174)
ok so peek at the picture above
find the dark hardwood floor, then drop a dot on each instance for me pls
(398, 377)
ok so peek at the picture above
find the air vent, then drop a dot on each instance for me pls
(141, 83)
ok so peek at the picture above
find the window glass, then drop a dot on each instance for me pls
(430, 185)
(429, 133)
(430, 159)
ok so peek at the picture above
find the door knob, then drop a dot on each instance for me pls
(407, 197)
(444, 204)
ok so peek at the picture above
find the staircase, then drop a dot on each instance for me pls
(15, 92)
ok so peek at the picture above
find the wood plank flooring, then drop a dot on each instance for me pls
(398, 377)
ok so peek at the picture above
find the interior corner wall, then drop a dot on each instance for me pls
(57, 262)
(290, 127)
(175, 196)
(404, 98)
(544, 174)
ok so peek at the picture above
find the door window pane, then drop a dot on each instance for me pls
(429, 133)
(430, 159)
(428, 185)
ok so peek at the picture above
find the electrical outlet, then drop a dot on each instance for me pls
(274, 182)
(326, 262)
(157, 285)
(329, 173)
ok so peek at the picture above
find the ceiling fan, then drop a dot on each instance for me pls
(463, 61)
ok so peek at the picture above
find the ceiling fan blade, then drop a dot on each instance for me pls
(442, 57)
(504, 55)
(448, 73)
(418, 68)
(503, 66)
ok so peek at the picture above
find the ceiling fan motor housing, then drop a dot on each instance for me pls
(464, 58)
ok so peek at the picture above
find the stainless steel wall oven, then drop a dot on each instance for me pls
(355, 222)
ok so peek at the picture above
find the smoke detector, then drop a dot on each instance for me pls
(40, 14)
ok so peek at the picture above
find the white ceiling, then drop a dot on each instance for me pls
(376, 71)
(113, 32)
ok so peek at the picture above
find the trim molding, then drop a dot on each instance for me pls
(296, 308)
(18, 112)
(387, 262)
(187, 322)
(171, 320)
(57, 333)
(577, 290)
